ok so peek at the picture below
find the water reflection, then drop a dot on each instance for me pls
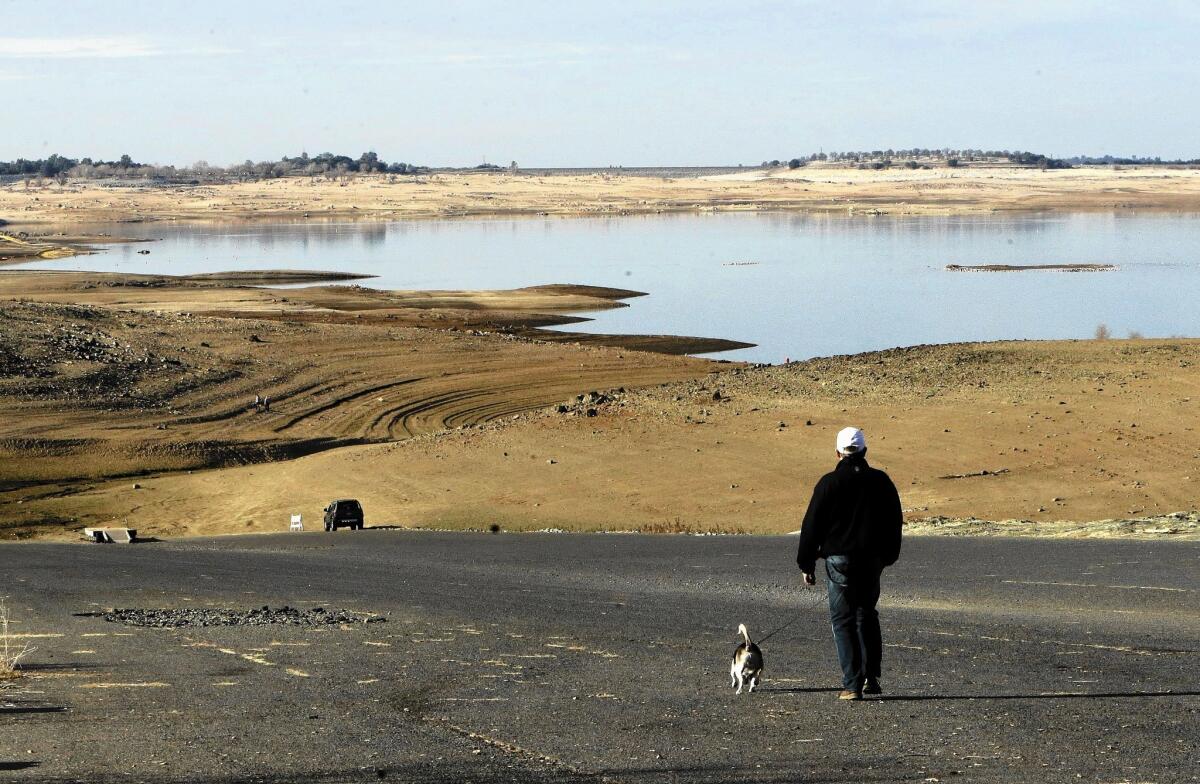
(804, 284)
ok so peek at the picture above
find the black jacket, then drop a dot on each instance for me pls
(855, 510)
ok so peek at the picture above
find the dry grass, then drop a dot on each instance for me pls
(938, 191)
(680, 527)
(11, 651)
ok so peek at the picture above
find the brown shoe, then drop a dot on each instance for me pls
(850, 694)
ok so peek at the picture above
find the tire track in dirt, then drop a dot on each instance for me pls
(341, 401)
(231, 412)
(425, 414)
(123, 393)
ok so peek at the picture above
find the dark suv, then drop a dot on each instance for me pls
(343, 513)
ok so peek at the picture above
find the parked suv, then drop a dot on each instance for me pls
(345, 512)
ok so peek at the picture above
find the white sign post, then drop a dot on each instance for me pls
(297, 523)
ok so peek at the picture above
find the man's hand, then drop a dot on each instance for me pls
(809, 579)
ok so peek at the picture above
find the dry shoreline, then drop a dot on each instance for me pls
(106, 375)
(128, 398)
(448, 195)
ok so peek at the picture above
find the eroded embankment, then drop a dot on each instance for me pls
(122, 376)
(1046, 436)
(17, 247)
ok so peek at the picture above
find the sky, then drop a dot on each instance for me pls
(582, 83)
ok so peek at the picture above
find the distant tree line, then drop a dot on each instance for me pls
(921, 157)
(1109, 160)
(367, 163)
(57, 164)
(1038, 160)
(917, 158)
(328, 164)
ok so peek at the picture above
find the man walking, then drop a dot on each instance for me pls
(853, 522)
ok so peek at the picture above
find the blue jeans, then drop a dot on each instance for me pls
(853, 593)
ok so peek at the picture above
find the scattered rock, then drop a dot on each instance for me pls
(982, 472)
(589, 404)
(204, 617)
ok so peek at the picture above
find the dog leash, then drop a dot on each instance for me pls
(816, 600)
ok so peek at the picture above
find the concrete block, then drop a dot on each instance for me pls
(107, 535)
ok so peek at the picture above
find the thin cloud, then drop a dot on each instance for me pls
(95, 47)
(521, 55)
(77, 47)
(953, 18)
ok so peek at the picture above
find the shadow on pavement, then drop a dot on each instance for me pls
(56, 666)
(1051, 696)
(504, 773)
(756, 774)
(15, 709)
(798, 690)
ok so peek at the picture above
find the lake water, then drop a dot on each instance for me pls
(816, 284)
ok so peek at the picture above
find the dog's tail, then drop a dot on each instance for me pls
(745, 634)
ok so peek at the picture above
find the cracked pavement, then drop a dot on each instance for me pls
(565, 658)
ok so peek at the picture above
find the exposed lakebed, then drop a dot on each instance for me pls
(797, 285)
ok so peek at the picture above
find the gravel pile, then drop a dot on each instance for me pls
(263, 616)
(88, 356)
(588, 405)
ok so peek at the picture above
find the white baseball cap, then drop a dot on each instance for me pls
(851, 441)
